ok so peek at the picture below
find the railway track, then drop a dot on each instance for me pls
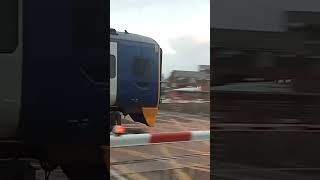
(169, 173)
(161, 159)
(188, 166)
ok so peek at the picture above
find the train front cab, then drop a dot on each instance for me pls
(135, 72)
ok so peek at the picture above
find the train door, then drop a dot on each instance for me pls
(113, 73)
(10, 66)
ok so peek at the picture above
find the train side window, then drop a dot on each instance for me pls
(9, 25)
(112, 66)
(142, 68)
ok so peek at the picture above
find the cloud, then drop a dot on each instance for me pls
(163, 19)
(123, 5)
(182, 28)
(189, 54)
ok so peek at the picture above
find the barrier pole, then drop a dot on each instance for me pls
(155, 138)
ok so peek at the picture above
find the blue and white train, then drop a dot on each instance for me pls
(135, 72)
(53, 98)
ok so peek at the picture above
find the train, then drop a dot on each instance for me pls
(270, 45)
(265, 67)
(54, 90)
(135, 75)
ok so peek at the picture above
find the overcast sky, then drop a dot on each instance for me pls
(182, 28)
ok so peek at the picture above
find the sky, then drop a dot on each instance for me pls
(182, 28)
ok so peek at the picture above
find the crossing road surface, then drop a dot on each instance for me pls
(184, 160)
(187, 160)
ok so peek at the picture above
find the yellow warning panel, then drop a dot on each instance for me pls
(150, 115)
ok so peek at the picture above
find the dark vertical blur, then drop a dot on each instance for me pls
(265, 60)
(65, 69)
(9, 25)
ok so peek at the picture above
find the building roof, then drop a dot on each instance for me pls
(190, 74)
(258, 87)
(204, 67)
(189, 89)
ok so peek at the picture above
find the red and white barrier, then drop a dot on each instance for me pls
(146, 139)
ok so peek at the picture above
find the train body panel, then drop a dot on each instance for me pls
(52, 78)
(10, 67)
(138, 76)
(53, 85)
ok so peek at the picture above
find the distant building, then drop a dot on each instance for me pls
(164, 88)
(204, 68)
(181, 79)
(189, 93)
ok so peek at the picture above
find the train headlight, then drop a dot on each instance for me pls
(119, 130)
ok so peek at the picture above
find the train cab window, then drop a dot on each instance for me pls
(142, 68)
(9, 25)
(112, 66)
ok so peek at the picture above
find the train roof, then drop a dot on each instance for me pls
(131, 37)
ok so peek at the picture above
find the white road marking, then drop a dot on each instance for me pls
(116, 175)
